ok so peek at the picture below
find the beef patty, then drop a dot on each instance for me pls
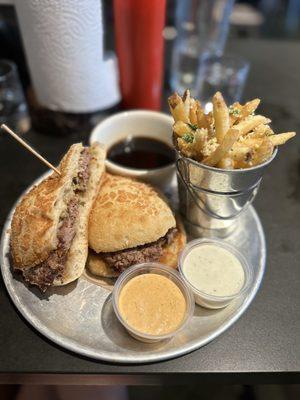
(43, 275)
(150, 252)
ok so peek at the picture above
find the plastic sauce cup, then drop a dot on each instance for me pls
(160, 269)
(208, 300)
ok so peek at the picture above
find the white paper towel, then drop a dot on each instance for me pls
(63, 41)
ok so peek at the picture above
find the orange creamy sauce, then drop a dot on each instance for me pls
(152, 304)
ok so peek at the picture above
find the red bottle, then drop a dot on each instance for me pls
(138, 29)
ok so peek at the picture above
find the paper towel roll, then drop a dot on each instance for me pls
(63, 41)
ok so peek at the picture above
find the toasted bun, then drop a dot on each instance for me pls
(97, 266)
(36, 218)
(78, 252)
(171, 251)
(126, 214)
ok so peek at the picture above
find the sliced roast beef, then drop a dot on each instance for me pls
(81, 180)
(151, 252)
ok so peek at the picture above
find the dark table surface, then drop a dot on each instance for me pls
(263, 346)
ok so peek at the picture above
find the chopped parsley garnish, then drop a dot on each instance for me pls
(193, 126)
(188, 138)
(234, 111)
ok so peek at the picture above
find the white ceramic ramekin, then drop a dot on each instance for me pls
(137, 123)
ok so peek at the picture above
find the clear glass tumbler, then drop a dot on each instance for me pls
(13, 107)
(226, 74)
(202, 25)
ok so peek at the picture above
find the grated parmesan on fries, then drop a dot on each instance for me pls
(228, 137)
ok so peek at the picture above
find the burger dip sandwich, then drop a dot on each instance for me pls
(49, 242)
(131, 224)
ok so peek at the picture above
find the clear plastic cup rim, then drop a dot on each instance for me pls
(161, 269)
(248, 274)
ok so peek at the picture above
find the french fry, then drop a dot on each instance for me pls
(210, 124)
(261, 131)
(200, 138)
(205, 121)
(226, 163)
(234, 113)
(181, 128)
(177, 108)
(193, 112)
(193, 148)
(241, 153)
(249, 108)
(186, 98)
(281, 138)
(201, 119)
(250, 123)
(223, 148)
(209, 118)
(221, 116)
(239, 112)
(251, 142)
(198, 106)
(263, 153)
(174, 100)
(209, 147)
(242, 156)
(187, 149)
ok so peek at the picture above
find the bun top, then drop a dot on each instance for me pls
(37, 216)
(126, 214)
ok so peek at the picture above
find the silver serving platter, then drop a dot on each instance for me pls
(80, 317)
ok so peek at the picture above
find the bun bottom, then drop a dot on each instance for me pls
(97, 266)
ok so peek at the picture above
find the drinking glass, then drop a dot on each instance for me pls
(202, 25)
(13, 108)
(226, 74)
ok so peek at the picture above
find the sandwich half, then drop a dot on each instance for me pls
(49, 232)
(130, 223)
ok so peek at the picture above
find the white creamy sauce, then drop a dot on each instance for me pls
(214, 270)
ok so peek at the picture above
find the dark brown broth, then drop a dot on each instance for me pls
(141, 153)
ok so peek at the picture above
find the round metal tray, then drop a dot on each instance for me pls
(80, 317)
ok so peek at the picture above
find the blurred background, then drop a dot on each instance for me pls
(200, 48)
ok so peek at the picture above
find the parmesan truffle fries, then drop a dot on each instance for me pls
(228, 137)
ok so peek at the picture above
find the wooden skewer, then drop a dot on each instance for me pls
(23, 143)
